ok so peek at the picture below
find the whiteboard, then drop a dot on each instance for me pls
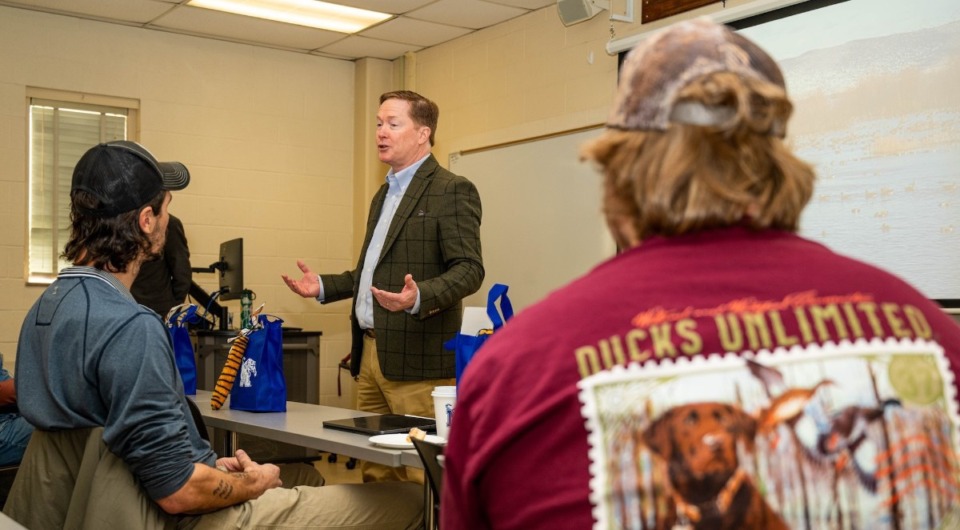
(874, 88)
(542, 226)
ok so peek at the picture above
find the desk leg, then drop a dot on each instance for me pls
(230, 443)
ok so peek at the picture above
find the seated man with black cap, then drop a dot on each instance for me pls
(90, 357)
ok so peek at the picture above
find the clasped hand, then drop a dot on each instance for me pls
(264, 476)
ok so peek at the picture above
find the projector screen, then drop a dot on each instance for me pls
(876, 89)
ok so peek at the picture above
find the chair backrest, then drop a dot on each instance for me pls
(198, 419)
(431, 465)
(7, 475)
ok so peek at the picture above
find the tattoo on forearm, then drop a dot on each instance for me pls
(223, 490)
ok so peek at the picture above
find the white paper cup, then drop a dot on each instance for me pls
(444, 399)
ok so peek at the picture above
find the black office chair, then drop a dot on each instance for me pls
(198, 420)
(343, 366)
(429, 452)
(7, 476)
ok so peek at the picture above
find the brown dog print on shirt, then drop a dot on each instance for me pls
(698, 445)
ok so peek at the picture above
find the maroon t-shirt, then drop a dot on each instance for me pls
(726, 379)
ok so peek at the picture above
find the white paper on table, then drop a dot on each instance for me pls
(475, 319)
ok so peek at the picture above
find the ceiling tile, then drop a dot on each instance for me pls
(420, 23)
(246, 29)
(355, 47)
(526, 4)
(386, 6)
(412, 31)
(473, 14)
(130, 11)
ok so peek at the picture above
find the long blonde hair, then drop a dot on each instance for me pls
(690, 177)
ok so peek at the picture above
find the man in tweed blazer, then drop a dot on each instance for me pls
(421, 256)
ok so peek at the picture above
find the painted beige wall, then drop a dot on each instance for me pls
(520, 79)
(527, 77)
(268, 136)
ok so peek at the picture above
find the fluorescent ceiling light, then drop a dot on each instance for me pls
(310, 13)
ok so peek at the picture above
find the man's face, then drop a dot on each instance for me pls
(400, 141)
(159, 235)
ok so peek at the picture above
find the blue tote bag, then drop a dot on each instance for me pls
(260, 385)
(177, 320)
(466, 346)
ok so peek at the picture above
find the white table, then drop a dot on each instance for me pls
(302, 425)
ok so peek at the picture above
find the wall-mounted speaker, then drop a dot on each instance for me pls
(574, 11)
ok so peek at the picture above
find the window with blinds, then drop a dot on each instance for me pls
(61, 130)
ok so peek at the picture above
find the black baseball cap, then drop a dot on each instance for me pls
(124, 176)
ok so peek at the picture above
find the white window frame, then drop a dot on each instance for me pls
(44, 179)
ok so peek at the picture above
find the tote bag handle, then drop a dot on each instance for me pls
(499, 292)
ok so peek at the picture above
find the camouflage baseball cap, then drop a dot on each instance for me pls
(659, 68)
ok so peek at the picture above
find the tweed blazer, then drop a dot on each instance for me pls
(435, 236)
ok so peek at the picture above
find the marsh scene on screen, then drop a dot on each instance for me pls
(874, 84)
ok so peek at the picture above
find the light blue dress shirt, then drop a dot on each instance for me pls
(397, 184)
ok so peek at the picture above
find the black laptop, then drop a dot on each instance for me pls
(383, 424)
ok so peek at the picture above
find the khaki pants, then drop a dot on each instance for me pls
(375, 393)
(342, 506)
(70, 480)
